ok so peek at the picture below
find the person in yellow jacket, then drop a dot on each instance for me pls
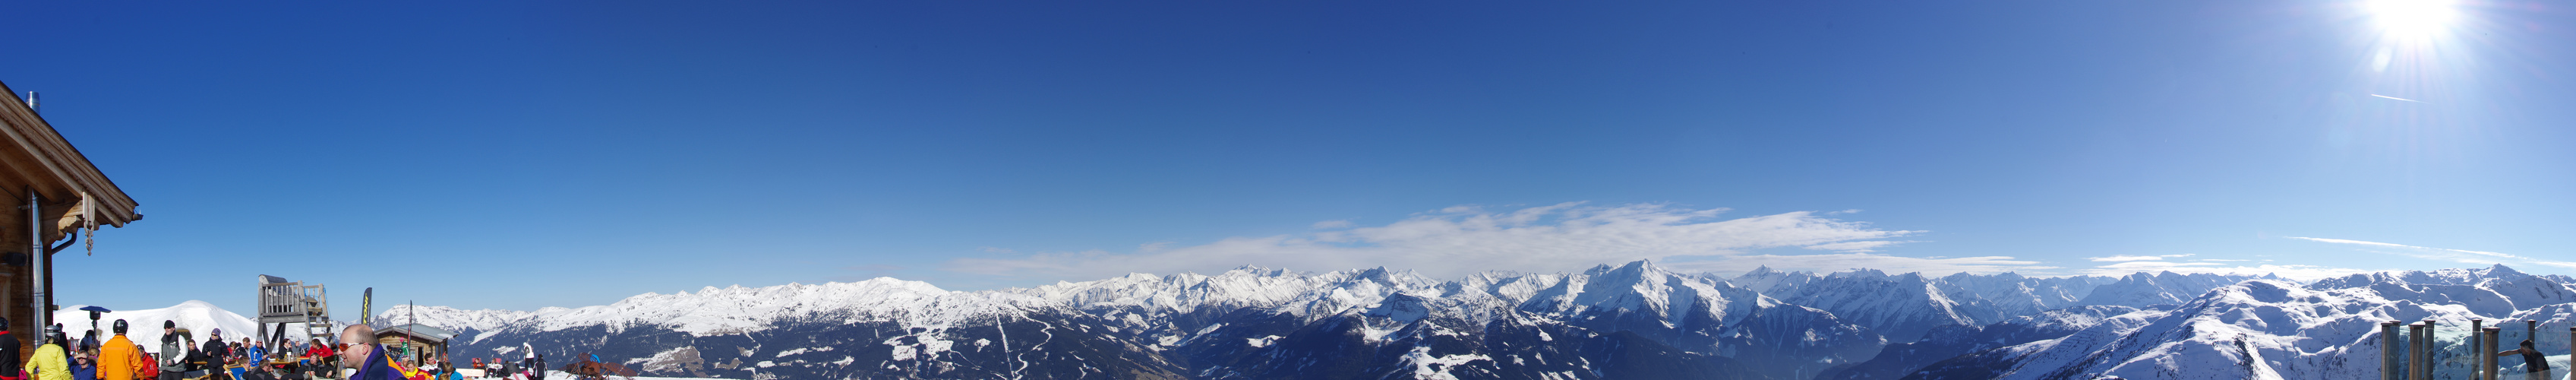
(48, 362)
(120, 359)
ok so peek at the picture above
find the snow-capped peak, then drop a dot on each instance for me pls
(737, 308)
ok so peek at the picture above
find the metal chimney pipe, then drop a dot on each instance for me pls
(37, 256)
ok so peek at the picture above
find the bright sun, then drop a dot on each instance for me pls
(2411, 18)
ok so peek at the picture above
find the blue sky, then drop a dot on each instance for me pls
(527, 154)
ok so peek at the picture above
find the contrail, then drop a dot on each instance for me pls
(2398, 98)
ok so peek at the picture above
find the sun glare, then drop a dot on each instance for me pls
(2412, 18)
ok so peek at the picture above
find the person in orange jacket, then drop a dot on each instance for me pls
(120, 359)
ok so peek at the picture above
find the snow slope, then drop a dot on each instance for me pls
(2273, 329)
(1905, 306)
(738, 309)
(144, 326)
(1631, 319)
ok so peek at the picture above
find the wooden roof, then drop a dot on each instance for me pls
(417, 332)
(36, 158)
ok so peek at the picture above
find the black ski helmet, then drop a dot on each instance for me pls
(169, 324)
(120, 327)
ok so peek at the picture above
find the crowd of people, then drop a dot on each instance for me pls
(182, 358)
(377, 363)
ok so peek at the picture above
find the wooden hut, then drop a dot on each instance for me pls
(58, 194)
(417, 342)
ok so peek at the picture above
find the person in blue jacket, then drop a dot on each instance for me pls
(84, 368)
(258, 352)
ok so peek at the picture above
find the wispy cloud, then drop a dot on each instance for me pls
(2136, 258)
(1459, 240)
(2124, 265)
(1856, 246)
(2445, 254)
(2397, 98)
(1846, 261)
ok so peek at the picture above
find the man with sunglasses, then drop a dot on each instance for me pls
(367, 356)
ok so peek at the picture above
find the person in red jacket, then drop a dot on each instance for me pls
(9, 361)
(317, 353)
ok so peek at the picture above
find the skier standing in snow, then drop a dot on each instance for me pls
(62, 342)
(216, 352)
(120, 359)
(49, 362)
(174, 353)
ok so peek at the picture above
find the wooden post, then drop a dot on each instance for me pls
(2388, 351)
(2487, 361)
(2432, 344)
(2415, 351)
(2531, 330)
(2477, 336)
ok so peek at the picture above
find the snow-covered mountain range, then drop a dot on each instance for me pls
(1634, 320)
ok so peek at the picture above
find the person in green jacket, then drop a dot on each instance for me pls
(49, 363)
